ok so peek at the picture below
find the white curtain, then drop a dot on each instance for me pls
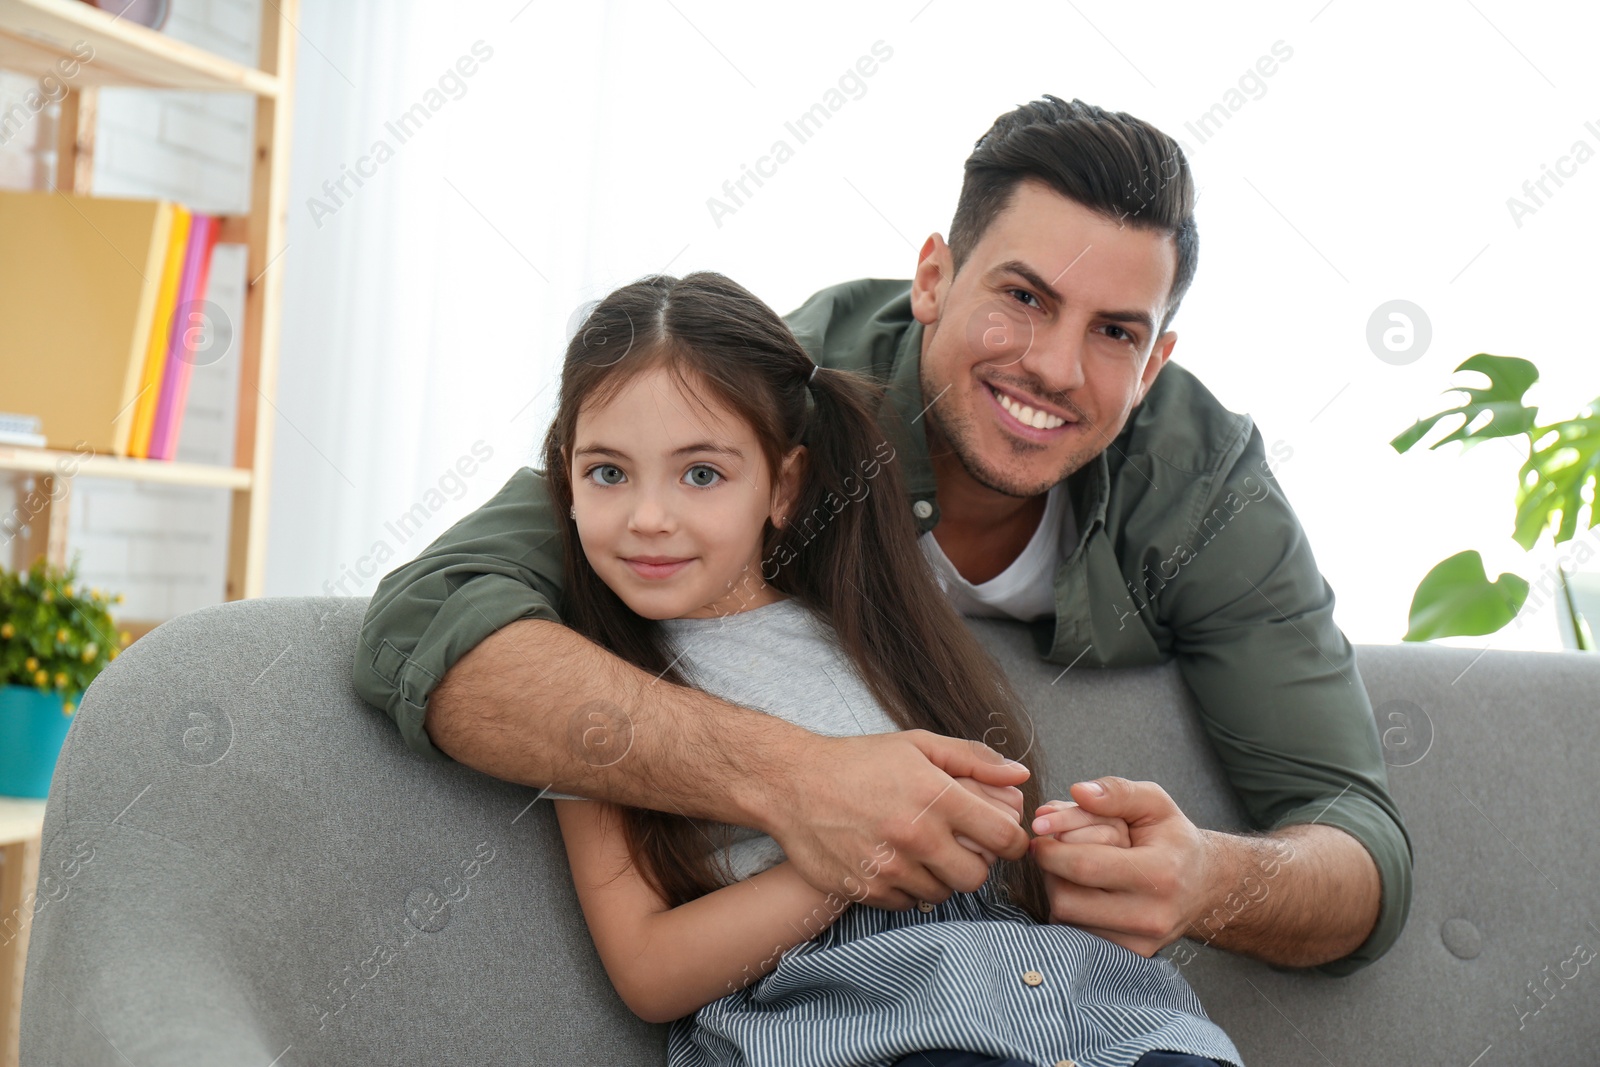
(428, 276)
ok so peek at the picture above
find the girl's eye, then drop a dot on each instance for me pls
(598, 473)
(697, 479)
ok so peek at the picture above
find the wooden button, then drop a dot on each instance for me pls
(1065, 1063)
(1033, 977)
(924, 907)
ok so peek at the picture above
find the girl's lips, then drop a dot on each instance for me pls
(657, 571)
(1022, 429)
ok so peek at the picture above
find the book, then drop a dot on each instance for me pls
(79, 281)
(20, 430)
(155, 359)
(189, 334)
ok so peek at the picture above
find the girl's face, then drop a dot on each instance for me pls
(671, 499)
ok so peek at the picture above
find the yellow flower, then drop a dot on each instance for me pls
(62, 635)
(68, 708)
(61, 679)
(90, 651)
(94, 591)
(40, 678)
(47, 596)
(117, 599)
(30, 663)
(126, 637)
(66, 590)
(111, 655)
(7, 631)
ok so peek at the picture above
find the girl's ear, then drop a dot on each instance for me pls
(791, 476)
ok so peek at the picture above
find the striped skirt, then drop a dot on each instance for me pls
(975, 973)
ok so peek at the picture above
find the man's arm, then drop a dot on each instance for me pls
(1298, 897)
(539, 704)
(1249, 618)
(465, 651)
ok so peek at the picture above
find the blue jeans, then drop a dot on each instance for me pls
(945, 1057)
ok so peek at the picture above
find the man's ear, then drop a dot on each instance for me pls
(1160, 352)
(935, 267)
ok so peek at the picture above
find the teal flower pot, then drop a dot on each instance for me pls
(33, 726)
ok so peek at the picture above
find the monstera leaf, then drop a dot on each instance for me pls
(1456, 599)
(1558, 482)
(1509, 378)
(1564, 461)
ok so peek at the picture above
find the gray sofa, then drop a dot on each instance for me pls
(242, 864)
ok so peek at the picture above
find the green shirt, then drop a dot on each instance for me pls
(1187, 549)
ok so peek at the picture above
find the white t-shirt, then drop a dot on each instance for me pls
(1025, 590)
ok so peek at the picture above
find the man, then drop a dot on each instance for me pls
(1057, 474)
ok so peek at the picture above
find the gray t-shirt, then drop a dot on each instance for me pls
(782, 659)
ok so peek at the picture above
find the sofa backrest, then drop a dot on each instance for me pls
(243, 864)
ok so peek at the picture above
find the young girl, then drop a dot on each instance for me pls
(738, 524)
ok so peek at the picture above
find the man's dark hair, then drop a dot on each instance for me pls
(1108, 161)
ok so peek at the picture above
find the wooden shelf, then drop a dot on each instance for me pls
(56, 462)
(37, 34)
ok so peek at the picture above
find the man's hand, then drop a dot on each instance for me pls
(1143, 897)
(1007, 798)
(877, 816)
(1299, 897)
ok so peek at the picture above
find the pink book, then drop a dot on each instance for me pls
(186, 334)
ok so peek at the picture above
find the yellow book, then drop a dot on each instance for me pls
(155, 358)
(79, 281)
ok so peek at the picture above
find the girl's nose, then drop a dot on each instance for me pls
(650, 514)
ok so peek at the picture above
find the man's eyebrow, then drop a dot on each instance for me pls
(714, 447)
(1033, 277)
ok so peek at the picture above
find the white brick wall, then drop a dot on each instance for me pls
(164, 548)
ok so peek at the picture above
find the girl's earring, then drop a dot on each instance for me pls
(572, 512)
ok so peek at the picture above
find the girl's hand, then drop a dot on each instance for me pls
(1008, 798)
(1072, 825)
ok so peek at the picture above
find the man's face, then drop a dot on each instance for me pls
(1055, 310)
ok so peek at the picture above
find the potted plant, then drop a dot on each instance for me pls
(55, 637)
(1555, 486)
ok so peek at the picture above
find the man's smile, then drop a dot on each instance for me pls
(1029, 418)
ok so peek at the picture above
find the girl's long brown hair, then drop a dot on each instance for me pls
(849, 551)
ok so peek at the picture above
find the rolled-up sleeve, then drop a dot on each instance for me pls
(1251, 620)
(499, 564)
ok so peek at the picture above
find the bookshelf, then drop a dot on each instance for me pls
(34, 36)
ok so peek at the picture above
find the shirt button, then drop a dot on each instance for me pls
(924, 907)
(922, 509)
(1033, 977)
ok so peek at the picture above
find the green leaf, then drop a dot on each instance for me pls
(1509, 378)
(1456, 599)
(1553, 480)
